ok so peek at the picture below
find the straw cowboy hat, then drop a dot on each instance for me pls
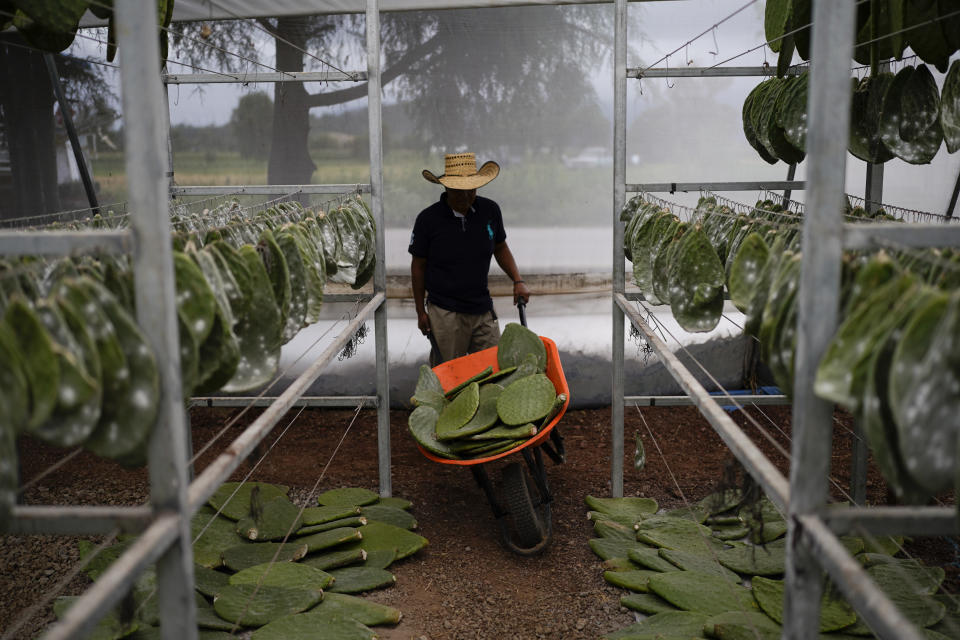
(460, 172)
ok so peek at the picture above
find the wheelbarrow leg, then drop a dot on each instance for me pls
(483, 480)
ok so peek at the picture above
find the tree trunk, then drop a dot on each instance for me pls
(290, 161)
(27, 101)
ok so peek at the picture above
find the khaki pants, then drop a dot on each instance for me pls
(458, 334)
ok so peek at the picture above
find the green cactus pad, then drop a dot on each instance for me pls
(380, 558)
(209, 581)
(360, 609)
(679, 534)
(635, 508)
(834, 613)
(497, 376)
(650, 558)
(423, 427)
(218, 357)
(459, 411)
(613, 529)
(14, 390)
(391, 515)
(701, 592)
(636, 580)
(251, 605)
(218, 533)
(607, 548)
(695, 280)
(127, 417)
(669, 624)
(335, 558)
(380, 535)
(244, 556)
(330, 513)
(292, 575)
(304, 626)
(40, 364)
(503, 432)
(348, 496)
(299, 294)
(765, 560)
(478, 377)
(327, 539)
(484, 418)
(109, 626)
(626, 520)
(648, 603)
(352, 521)
(232, 499)
(393, 501)
(695, 514)
(525, 369)
(699, 563)
(358, 579)
(259, 331)
(907, 577)
(526, 400)
(516, 342)
(742, 625)
(278, 518)
(745, 271)
(196, 303)
(618, 564)
(429, 391)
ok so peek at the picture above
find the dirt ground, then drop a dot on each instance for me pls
(464, 585)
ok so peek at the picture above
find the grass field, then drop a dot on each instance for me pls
(534, 192)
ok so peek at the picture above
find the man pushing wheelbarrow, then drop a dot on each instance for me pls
(486, 397)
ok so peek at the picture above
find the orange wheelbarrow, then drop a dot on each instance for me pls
(523, 508)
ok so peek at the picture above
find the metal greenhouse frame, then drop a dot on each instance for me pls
(164, 525)
(812, 543)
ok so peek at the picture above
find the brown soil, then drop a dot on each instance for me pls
(464, 584)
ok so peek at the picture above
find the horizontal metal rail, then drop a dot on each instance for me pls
(369, 402)
(709, 72)
(63, 243)
(685, 401)
(896, 234)
(220, 469)
(347, 297)
(269, 189)
(872, 604)
(117, 580)
(774, 484)
(893, 521)
(672, 187)
(77, 520)
(270, 76)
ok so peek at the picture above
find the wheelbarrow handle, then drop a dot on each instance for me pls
(522, 309)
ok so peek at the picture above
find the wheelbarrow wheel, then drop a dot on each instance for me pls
(528, 529)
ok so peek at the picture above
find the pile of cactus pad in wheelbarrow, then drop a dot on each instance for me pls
(490, 412)
(266, 567)
(715, 569)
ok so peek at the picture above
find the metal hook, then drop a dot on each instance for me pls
(716, 45)
(666, 78)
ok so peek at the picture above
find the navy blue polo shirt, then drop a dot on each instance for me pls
(458, 252)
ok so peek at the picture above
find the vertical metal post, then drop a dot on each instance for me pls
(156, 299)
(380, 270)
(791, 174)
(953, 197)
(873, 189)
(71, 132)
(167, 134)
(619, 197)
(817, 302)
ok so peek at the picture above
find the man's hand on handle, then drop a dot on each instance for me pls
(520, 292)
